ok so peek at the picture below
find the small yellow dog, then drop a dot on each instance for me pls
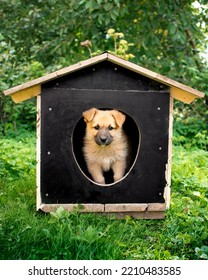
(105, 144)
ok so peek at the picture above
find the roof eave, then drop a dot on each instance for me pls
(33, 88)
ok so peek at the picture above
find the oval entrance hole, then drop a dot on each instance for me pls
(132, 131)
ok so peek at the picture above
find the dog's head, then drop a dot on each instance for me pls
(103, 125)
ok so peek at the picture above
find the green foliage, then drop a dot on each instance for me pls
(16, 70)
(17, 156)
(121, 46)
(56, 39)
(166, 37)
(202, 253)
(191, 125)
(189, 172)
(25, 234)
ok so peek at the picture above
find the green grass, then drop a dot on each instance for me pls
(26, 234)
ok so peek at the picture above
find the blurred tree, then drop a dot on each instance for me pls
(168, 36)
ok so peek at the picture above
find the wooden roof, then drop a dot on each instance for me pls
(32, 88)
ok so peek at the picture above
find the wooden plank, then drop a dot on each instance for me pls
(179, 91)
(155, 211)
(186, 93)
(126, 207)
(29, 84)
(82, 64)
(182, 95)
(167, 189)
(154, 207)
(27, 93)
(57, 74)
(70, 207)
(38, 153)
(93, 208)
(131, 66)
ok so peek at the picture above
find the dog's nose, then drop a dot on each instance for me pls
(103, 140)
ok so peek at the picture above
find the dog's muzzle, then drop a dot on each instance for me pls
(103, 137)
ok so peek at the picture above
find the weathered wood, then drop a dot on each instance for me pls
(27, 93)
(83, 208)
(182, 95)
(57, 74)
(107, 208)
(128, 207)
(178, 91)
(156, 207)
(141, 211)
(186, 93)
(169, 163)
(38, 152)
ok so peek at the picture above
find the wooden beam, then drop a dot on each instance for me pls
(182, 95)
(154, 207)
(25, 94)
(179, 91)
(126, 207)
(169, 162)
(59, 73)
(137, 210)
(38, 153)
(186, 94)
(70, 207)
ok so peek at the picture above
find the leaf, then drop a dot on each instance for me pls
(90, 235)
(60, 211)
(197, 193)
(108, 7)
(114, 14)
(100, 19)
(107, 21)
(172, 28)
(89, 4)
(46, 232)
(60, 214)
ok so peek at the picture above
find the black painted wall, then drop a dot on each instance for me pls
(104, 85)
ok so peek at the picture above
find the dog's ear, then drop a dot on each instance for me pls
(119, 117)
(89, 114)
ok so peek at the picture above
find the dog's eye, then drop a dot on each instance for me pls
(96, 127)
(110, 127)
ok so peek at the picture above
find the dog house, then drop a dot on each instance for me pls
(105, 82)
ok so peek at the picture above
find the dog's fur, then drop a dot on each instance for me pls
(105, 144)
